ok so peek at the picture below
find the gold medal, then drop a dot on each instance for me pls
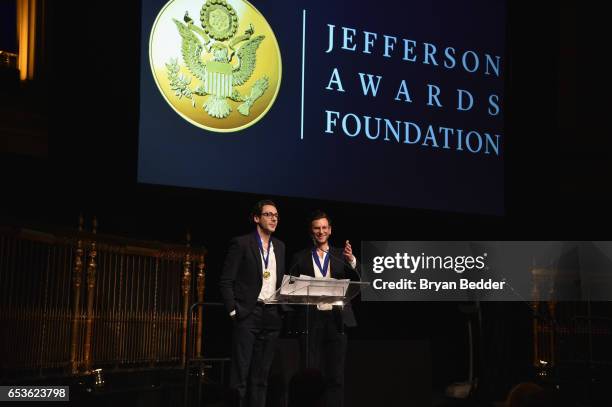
(266, 274)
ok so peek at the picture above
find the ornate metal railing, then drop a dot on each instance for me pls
(567, 332)
(73, 302)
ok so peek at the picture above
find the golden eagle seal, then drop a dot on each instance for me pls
(218, 63)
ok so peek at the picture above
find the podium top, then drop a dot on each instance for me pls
(307, 290)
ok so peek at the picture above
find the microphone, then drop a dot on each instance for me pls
(314, 241)
(342, 259)
(288, 273)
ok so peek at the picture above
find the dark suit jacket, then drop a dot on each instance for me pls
(241, 278)
(340, 269)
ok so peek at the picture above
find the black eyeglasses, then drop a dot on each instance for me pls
(270, 215)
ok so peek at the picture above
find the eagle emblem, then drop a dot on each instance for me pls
(219, 60)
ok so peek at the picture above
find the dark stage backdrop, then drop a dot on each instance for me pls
(394, 103)
(94, 103)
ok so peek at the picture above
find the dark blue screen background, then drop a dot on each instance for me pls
(270, 158)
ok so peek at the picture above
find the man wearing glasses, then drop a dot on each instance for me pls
(326, 344)
(252, 272)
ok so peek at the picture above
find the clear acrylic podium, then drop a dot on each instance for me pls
(305, 290)
(321, 292)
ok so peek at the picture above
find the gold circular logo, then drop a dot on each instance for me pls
(216, 62)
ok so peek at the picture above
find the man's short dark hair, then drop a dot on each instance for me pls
(316, 215)
(258, 208)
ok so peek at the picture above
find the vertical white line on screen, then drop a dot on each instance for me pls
(303, 64)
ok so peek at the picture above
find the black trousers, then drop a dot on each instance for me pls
(254, 341)
(325, 349)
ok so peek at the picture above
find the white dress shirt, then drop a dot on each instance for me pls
(268, 286)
